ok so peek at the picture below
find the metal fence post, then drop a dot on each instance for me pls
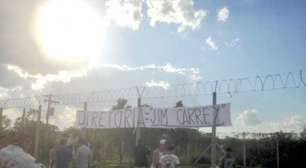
(213, 138)
(37, 133)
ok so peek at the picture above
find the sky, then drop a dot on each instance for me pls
(82, 46)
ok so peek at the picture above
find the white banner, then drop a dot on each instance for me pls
(149, 117)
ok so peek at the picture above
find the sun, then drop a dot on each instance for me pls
(69, 31)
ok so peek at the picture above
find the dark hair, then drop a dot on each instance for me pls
(228, 149)
(82, 141)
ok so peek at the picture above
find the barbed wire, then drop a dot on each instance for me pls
(260, 135)
(231, 86)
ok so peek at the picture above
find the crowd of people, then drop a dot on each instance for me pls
(64, 153)
(163, 156)
(76, 151)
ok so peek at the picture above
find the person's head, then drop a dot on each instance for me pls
(62, 141)
(163, 144)
(82, 141)
(228, 151)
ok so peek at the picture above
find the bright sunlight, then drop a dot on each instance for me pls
(69, 31)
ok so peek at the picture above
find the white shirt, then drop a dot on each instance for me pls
(169, 160)
(83, 156)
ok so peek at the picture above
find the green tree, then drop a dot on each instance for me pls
(5, 122)
(121, 104)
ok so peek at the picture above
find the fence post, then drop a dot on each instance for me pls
(1, 117)
(121, 152)
(23, 116)
(139, 115)
(37, 133)
(244, 150)
(213, 138)
(86, 129)
(138, 129)
(277, 152)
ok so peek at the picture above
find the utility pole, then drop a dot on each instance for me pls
(50, 111)
(49, 106)
(37, 132)
(244, 150)
(23, 116)
(1, 118)
(85, 107)
(214, 129)
(138, 129)
(139, 115)
(277, 151)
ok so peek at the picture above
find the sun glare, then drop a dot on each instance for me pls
(69, 31)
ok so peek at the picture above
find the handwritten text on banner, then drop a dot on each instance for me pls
(149, 117)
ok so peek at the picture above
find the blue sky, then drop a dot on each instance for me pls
(271, 40)
(271, 35)
(255, 37)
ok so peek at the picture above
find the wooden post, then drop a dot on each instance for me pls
(139, 115)
(121, 152)
(138, 129)
(23, 116)
(277, 152)
(37, 132)
(213, 138)
(50, 102)
(86, 129)
(1, 117)
(244, 150)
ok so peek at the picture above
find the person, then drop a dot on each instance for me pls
(158, 152)
(169, 159)
(228, 161)
(63, 155)
(52, 157)
(13, 156)
(83, 155)
(141, 155)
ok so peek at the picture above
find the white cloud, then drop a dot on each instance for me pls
(248, 118)
(211, 44)
(162, 84)
(233, 43)
(191, 73)
(180, 12)
(64, 117)
(39, 81)
(249, 121)
(6, 93)
(223, 14)
(127, 13)
(291, 123)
